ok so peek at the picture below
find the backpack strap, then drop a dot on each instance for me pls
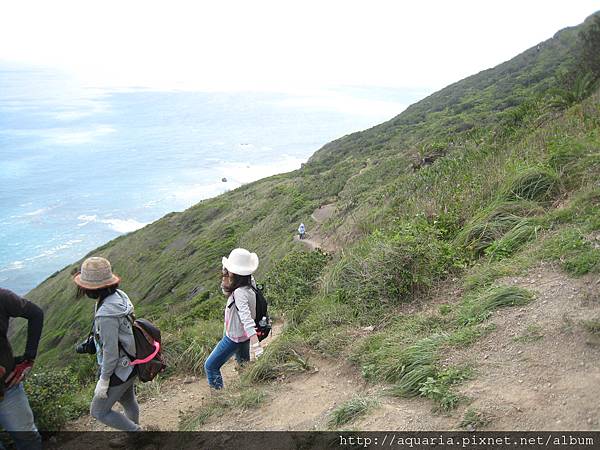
(131, 320)
(232, 303)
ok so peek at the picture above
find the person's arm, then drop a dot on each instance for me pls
(35, 317)
(108, 328)
(241, 297)
(17, 306)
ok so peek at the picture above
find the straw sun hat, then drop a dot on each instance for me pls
(96, 273)
(241, 262)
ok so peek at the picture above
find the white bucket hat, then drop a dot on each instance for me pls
(241, 262)
(96, 273)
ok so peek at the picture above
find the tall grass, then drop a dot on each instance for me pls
(493, 223)
(478, 307)
(281, 357)
(537, 183)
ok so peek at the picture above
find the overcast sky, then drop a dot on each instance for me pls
(279, 44)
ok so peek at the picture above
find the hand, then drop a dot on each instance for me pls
(2, 371)
(22, 368)
(257, 350)
(101, 390)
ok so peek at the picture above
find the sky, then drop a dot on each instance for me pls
(277, 45)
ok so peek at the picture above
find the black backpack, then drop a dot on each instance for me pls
(262, 322)
(148, 359)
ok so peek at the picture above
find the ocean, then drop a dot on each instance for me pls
(82, 165)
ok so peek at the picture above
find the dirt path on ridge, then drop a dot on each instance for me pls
(539, 369)
(314, 239)
(172, 398)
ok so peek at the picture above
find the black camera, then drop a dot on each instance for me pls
(87, 346)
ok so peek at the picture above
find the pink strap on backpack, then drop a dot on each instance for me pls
(149, 357)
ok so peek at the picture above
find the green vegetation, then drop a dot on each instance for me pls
(54, 400)
(351, 410)
(479, 181)
(473, 420)
(243, 399)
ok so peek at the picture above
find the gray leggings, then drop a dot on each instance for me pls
(101, 408)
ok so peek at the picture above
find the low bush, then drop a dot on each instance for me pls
(294, 278)
(392, 266)
(54, 400)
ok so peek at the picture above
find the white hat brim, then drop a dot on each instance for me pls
(241, 270)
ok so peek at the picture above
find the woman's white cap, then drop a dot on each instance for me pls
(241, 262)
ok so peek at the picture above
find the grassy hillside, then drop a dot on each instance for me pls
(483, 178)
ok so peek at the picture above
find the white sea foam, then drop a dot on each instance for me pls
(236, 174)
(123, 226)
(53, 251)
(37, 212)
(86, 219)
(61, 136)
(118, 225)
(15, 265)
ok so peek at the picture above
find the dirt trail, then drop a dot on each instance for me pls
(314, 239)
(538, 370)
(302, 402)
(171, 399)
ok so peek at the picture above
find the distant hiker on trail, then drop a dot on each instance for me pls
(16, 416)
(301, 231)
(239, 336)
(112, 340)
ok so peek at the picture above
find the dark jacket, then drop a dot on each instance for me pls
(12, 305)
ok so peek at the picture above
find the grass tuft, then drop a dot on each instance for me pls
(538, 184)
(477, 308)
(280, 358)
(350, 411)
(493, 223)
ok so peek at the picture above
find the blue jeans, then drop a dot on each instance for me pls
(16, 418)
(224, 350)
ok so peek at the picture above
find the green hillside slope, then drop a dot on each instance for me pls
(458, 185)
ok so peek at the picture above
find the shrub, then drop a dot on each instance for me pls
(392, 266)
(53, 398)
(294, 278)
(439, 387)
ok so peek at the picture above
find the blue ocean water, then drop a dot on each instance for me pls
(79, 166)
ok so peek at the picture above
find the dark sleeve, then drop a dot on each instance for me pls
(16, 306)
(35, 316)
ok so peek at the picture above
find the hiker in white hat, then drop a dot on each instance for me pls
(239, 335)
(111, 340)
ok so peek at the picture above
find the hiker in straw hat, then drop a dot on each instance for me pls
(239, 335)
(113, 340)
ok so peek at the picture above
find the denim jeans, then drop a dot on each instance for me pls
(16, 418)
(224, 350)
